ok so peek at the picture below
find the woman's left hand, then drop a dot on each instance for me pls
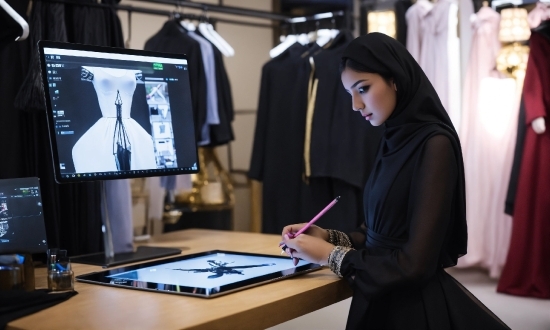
(312, 249)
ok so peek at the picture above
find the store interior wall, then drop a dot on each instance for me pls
(252, 45)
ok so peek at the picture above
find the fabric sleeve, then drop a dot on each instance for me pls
(533, 93)
(357, 236)
(432, 188)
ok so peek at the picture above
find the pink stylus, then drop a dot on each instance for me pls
(312, 221)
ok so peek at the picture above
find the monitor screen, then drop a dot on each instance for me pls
(22, 228)
(117, 113)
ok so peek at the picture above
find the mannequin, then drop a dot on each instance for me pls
(115, 142)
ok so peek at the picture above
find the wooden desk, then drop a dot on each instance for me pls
(102, 307)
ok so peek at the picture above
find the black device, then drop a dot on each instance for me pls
(116, 114)
(207, 274)
(22, 228)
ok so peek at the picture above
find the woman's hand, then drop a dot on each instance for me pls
(311, 248)
(314, 231)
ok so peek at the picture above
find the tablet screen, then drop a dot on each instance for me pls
(205, 274)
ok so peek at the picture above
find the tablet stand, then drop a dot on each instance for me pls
(109, 258)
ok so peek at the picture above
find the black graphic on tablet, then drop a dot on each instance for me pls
(220, 268)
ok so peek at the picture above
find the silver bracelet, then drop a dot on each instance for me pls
(338, 238)
(336, 257)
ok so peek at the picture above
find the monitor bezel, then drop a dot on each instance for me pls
(51, 121)
(103, 279)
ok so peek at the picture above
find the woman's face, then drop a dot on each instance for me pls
(371, 95)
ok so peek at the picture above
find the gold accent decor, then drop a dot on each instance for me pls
(212, 186)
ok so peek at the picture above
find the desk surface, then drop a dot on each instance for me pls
(102, 307)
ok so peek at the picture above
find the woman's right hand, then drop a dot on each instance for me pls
(314, 231)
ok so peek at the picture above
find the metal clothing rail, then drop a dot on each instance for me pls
(167, 13)
(239, 11)
(315, 17)
(222, 9)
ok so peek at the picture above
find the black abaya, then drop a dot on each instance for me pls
(277, 153)
(414, 202)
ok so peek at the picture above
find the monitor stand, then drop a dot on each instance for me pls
(109, 258)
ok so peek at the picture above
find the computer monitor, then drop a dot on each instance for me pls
(117, 113)
(22, 228)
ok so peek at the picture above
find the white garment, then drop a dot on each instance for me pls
(482, 62)
(94, 151)
(466, 34)
(439, 56)
(488, 160)
(414, 17)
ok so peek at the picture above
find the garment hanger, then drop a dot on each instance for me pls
(207, 30)
(229, 50)
(290, 40)
(188, 25)
(18, 19)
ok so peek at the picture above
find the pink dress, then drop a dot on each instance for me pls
(414, 16)
(489, 120)
(439, 55)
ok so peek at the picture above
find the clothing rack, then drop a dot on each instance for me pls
(207, 8)
(158, 12)
(239, 11)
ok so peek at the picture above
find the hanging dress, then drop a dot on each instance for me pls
(487, 134)
(414, 16)
(527, 268)
(439, 55)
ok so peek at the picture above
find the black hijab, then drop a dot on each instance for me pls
(418, 115)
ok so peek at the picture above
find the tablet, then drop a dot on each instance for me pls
(207, 274)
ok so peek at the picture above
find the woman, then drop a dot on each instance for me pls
(414, 202)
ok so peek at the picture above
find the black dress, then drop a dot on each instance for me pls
(277, 152)
(415, 210)
(399, 282)
(337, 168)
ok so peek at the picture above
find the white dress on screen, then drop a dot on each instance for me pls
(94, 151)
